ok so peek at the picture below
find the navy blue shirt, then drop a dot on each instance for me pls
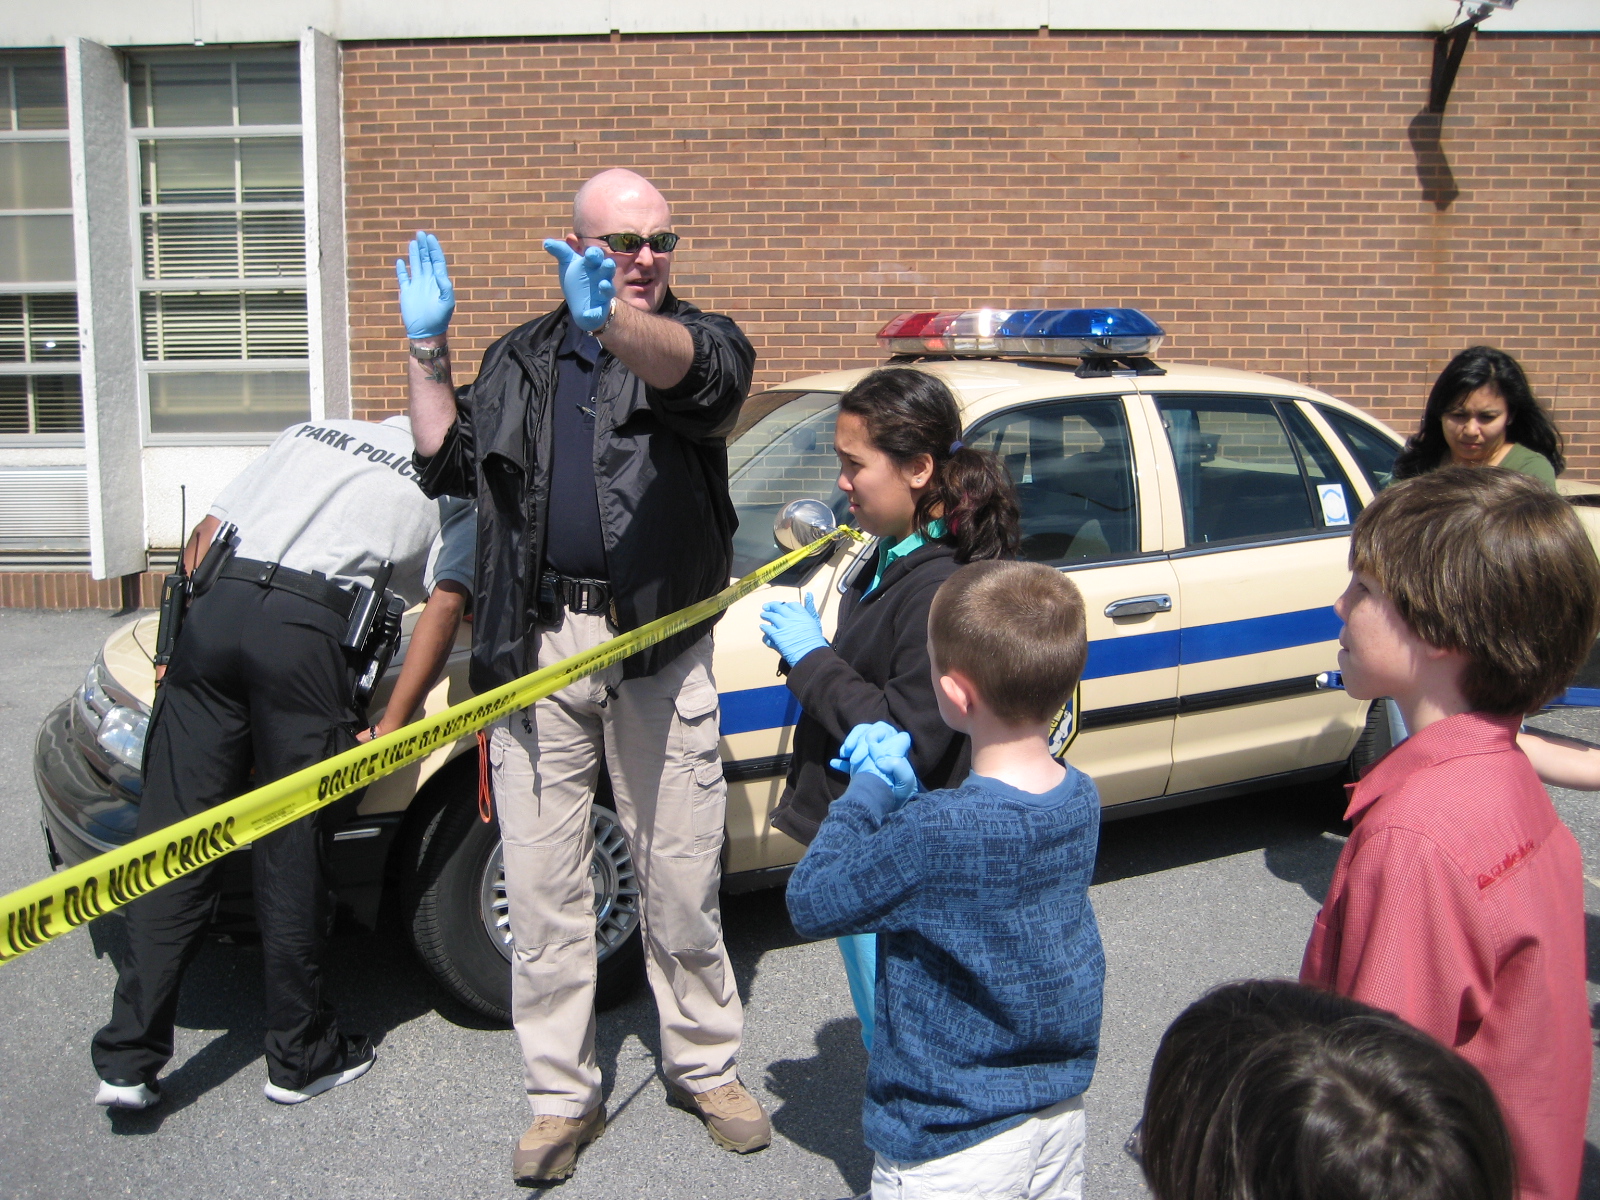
(574, 545)
(990, 970)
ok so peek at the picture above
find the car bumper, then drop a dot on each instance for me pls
(85, 813)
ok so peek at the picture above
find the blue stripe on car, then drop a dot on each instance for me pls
(774, 707)
(758, 708)
(1256, 635)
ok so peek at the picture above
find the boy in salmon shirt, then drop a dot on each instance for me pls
(1457, 903)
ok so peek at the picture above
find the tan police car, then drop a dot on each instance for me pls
(1204, 513)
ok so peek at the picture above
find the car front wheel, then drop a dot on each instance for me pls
(461, 920)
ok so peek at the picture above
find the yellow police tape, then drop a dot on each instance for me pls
(43, 911)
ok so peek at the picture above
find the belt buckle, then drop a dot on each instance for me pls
(590, 596)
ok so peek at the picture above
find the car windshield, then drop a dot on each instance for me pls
(781, 450)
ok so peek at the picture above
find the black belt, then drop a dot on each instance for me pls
(580, 595)
(316, 588)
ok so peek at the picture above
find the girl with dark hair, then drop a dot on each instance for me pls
(1481, 413)
(934, 505)
(1267, 1090)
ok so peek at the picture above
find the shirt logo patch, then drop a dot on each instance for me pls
(1504, 865)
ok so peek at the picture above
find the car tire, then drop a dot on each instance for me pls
(1376, 740)
(459, 921)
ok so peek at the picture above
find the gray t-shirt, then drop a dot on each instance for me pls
(455, 552)
(337, 497)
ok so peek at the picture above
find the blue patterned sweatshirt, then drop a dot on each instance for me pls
(990, 969)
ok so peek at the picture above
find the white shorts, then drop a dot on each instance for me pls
(1040, 1159)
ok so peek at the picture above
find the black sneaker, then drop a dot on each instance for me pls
(355, 1060)
(128, 1093)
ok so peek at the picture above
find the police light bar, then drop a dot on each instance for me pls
(1041, 332)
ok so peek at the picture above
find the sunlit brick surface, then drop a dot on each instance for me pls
(1258, 195)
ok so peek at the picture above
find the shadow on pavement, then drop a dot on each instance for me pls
(1288, 823)
(821, 1096)
(371, 980)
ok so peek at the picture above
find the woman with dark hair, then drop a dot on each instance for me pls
(1268, 1090)
(934, 505)
(1481, 413)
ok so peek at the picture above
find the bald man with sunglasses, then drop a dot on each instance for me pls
(593, 441)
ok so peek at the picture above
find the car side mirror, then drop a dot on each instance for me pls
(802, 522)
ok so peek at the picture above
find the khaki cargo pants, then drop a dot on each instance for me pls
(659, 738)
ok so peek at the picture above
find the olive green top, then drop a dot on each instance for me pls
(1530, 463)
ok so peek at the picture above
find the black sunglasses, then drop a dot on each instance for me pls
(632, 243)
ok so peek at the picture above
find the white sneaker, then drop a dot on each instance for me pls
(127, 1095)
(357, 1058)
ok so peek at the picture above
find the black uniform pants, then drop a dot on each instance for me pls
(257, 679)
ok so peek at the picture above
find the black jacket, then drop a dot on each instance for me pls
(876, 670)
(662, 467)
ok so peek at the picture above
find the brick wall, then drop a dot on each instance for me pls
(75, 589)
(1259, 195)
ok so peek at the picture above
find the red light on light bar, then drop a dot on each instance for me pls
(907, 325)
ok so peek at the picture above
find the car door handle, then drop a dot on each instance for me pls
(1139, 606)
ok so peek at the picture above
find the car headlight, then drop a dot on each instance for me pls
(122, 734)
(95, 697)
(119, 720)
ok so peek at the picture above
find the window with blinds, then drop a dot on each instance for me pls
(41, 394)
(222, 273)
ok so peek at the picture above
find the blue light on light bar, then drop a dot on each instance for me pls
(1043, 332)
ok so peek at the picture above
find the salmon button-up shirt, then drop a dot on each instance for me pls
(1457, 904)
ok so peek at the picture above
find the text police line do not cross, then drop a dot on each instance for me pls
(58, 904)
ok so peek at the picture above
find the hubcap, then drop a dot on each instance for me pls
(616, 890)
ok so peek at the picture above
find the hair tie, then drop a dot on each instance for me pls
(958, 444)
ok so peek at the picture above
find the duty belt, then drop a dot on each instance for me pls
(580, 595)
(316, 588)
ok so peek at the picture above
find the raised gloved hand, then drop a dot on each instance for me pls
(791, 630)
(427, 298)
(880, 749)
(586, 282)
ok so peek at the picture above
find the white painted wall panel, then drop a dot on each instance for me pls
(204, 470)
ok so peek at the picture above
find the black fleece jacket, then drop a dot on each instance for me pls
(875, 670)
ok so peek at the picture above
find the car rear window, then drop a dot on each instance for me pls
(1247, 474)
(1370, 447)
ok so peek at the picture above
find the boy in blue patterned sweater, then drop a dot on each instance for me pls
(990, 969)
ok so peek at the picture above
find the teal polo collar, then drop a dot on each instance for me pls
(900, 549)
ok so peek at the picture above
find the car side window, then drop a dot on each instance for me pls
(1375, 452)
(1072, 464)
(1336, 501)
(1240, 475)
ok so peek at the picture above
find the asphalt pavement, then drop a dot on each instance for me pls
(1185, 900)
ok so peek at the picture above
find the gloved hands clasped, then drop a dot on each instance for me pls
(587, 282)
(793, 631)
(882, 750)
(427, 297)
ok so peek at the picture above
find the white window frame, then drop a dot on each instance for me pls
(67, 287)
(137, 211)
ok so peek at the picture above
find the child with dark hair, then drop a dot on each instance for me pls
(933, 504)
(1267, 1090)
(989, 967)
(1457, 903)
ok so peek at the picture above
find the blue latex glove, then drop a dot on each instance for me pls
(586, 282)
(791, 630)
(880, 749)
(427, 298)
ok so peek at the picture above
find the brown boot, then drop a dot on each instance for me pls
(732, 1115)
(549, 1150)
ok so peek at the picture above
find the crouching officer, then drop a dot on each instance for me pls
(261, 677)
